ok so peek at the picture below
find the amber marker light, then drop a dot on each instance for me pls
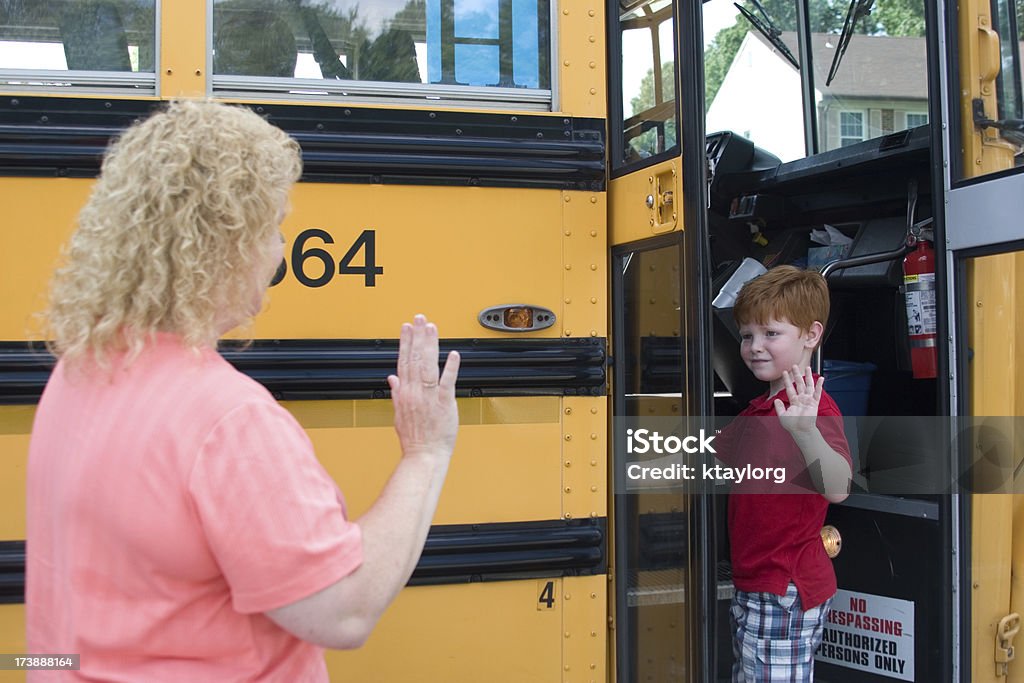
(518, 318)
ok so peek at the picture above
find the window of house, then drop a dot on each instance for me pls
(851, 127)
(91, 45)
(405, 50)
(916, 119)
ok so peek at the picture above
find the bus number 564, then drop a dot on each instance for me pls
(314, 266)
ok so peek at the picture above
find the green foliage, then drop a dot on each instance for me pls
(645, 98)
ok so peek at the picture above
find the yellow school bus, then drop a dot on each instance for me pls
(569, 190)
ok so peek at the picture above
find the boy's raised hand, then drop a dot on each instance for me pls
(804, 394)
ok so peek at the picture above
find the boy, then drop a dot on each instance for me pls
(784, 580)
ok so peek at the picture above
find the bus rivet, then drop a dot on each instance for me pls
(592, 39)
(593, 333)
(593, 489)
(594, 515)
(593, 411)
(568, 333)
(568, 463)
(568, 266)
(568, 437)
(593, 266)
(568, 515)
(568, 411)
(568, 233)
(592, 665)
(169, 72)
(593, 91)
(568, 596)
(592, 597)
(593, 200)
(593, 463)
(566, 667)
(593, 436)
(593, 65)
(593, 299)
(568, 198)
(978, 304)
(565, 63)
(593, 233)
(199, 72)
(566, 634)
(652, 221)
(590, 13)
(568, 300)
(565, 12)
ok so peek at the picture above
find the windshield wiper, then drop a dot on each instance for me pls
(768, 29)
(858, 10)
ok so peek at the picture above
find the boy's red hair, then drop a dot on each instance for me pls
(799, 297)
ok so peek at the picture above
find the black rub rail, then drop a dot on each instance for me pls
(453, 554)
(47, 137)
(295, 370)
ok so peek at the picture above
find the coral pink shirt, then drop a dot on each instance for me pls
(168, 507)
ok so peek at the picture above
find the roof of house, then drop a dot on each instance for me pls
(866, 69)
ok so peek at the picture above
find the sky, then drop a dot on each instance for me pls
(718, 14)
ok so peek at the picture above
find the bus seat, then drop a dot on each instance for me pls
(94, 37)
(874, 237)
(253, 42)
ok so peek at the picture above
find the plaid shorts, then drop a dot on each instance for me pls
(773, 638)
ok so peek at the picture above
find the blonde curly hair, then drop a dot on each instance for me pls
(173, 231)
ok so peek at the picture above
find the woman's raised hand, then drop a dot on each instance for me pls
(426, 416)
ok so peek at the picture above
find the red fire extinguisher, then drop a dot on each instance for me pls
(919, 287)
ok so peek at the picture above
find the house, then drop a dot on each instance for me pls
(760, 96)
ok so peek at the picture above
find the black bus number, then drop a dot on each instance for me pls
(366, 243)
(547, 595)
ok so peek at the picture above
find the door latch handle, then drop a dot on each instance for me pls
(1008, 627)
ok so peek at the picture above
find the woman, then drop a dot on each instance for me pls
(179, 524)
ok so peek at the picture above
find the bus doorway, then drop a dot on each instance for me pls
(660, 573)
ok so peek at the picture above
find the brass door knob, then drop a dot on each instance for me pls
(832, 540)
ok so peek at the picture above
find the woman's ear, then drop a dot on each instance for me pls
(813, 335)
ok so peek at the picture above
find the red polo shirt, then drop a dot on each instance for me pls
(775, 529)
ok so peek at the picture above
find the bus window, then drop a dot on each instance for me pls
(648, 80)
(51, 45)
(752, 76)
(870, 70)
(436, 49)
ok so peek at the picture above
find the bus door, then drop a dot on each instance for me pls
(984, 186)
(657, 381)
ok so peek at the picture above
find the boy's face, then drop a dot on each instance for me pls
(776, 346)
